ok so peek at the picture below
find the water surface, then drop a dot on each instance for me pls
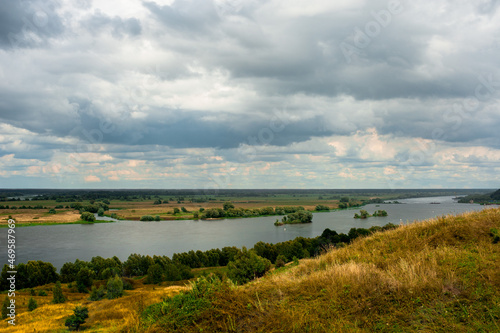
(62, 243)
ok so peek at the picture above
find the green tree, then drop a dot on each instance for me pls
(100, 212)
(147, 218)
(247, 266)
(52, 211)
(84, 279)
(157, 218)
(87, 216)
(184, 209)
(176, 211)
(58, 294)
(77, 318)
(114, 287)
(5, 305)
(228, 205)
(155, 274)
(96, 294)
(32, 305)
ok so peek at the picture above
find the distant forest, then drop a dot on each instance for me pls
(72, 195)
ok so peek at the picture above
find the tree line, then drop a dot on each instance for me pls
(163, 268)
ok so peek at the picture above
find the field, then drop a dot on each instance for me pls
(141, 202)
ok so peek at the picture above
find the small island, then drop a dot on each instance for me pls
(363, 214)
(300, 216)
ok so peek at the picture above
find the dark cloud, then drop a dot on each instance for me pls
(28, 23)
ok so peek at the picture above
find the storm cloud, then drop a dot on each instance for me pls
(233, 93)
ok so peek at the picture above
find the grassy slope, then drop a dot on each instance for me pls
(441, 275)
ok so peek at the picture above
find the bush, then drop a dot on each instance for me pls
(100, 212)
(58, 294)
(96, 294)
(147, 218)
(176, 210)
(280, 261)
(184, 209)
(247, 266)
(5, 305)
(32, 305)
(155, 274)
(52, 211)
(32, 292)
(87, 216)
(78, 318)
(114, 287)
(157, 218)
(320, 208)
(42, 292)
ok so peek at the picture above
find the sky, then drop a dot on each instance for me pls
(212, 94)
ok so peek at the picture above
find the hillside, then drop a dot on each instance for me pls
(440, 275)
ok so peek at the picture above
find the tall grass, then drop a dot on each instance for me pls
(440, 275)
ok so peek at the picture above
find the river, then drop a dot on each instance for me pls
(62, 243)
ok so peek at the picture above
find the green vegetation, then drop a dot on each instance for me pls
(488, 198)
(322, 208)
(42, 292)
(58, 296)
(436, 276)
(87, 216)
(147, 218)
(363, 214)
(114, 287)
(247, 265)
(80, 314)
(5, 305)
(32, 304)
(300, 216)
(96, 294)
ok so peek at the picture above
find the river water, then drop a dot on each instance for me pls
(62, 243)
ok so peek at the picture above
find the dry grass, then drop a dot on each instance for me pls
(119, 315)
(435, 276)
(40, 216)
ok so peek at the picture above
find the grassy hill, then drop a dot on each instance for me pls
(439, 275)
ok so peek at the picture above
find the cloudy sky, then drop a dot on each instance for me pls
(249, 94)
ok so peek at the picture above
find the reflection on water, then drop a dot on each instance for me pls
(62, 243)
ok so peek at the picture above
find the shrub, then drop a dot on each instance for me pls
(100, 212)
(32, 305)
(157, 218)
(155, 274)
(77, 318)
(96, 294)
(247, 266)
(184, 209)
(147, 218)
(87, 216)
(42, 292)
(114, 287)
(52, 211)
(280, 261)
(176, 210)
(5, 305)
(32, 292)
(58, 294)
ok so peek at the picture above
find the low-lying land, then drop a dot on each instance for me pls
(434, 276)
(33, 207)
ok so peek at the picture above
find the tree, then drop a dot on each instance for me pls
(184, 209)
(247, 266)
(157, 202)
(176, 211)
(280, 261)
(58, 294)
(5, 305)
(96, 294)
(77, 318)
(100, 212)
(228, 205)
(84, 279)
(114, 287)
(147, 218)
(87, 216)
(155, 274)
(32, 305)
(157, 218)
